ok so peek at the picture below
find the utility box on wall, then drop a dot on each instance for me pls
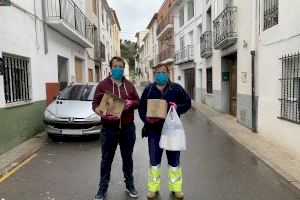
(225, 76)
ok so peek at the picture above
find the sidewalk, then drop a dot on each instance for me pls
(14, 157)
(275, 156)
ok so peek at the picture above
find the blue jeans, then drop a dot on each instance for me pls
(110, 137)
(155, 152)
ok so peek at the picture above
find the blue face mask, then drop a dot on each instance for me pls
(161, 78)
(117, 72)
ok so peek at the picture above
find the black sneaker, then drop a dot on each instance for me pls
(100, 195)
(132, 192)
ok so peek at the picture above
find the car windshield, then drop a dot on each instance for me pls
(78, 92)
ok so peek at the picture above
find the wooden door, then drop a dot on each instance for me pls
(233, 88)
(189, 76)
(78, 70)
(91, 78)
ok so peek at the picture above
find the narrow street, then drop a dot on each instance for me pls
(215, 168)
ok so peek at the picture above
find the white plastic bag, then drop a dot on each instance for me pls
(172, 135)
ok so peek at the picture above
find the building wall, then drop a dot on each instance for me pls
(275, 42)
(243, 48)
(106, 35)
(22, 34)
(190, 26)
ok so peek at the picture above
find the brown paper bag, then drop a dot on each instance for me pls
(157, 108)
(111, 104)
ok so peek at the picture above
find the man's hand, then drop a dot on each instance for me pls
(152, 120)
(97, 111)
(128, 104)
(110, 117)
(107, 116)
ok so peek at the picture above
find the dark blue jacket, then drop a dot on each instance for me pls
(173, 92)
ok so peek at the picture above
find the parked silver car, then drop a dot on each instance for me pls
(71, 113)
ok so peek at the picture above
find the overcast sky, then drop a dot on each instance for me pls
(134, 15)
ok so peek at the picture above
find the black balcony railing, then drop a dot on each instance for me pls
(224, 25)
(68, 11)
(270, 13)
(206, 44)
(168, 53)
(162, 25)
(184, 55)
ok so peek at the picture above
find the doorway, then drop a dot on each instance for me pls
(189, 77)
(91, 78)
(78, 70)
(233, 88)
(63, 74)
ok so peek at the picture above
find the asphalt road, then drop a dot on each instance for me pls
(215, 168)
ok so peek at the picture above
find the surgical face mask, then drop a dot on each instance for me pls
(161, 78)
(117, 72)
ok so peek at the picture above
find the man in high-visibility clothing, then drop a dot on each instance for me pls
(176, 96)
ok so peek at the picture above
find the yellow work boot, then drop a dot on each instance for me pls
(151, 195)
(179, 195)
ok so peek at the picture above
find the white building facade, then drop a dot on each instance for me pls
(279, 72)
(40, 59)
(187, 44)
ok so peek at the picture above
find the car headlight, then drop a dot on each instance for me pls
(93, 117)
(49, 115)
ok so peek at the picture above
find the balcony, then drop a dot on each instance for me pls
(184, 55)
(167, 55)
(99, 51)
(165, 27)
(65, 17)
(206, 44)
(224, 28)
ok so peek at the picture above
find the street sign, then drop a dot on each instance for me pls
(1, 66)
(225, 76)
(5, 3)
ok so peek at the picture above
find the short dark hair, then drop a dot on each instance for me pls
(162, 65)
(118, 59)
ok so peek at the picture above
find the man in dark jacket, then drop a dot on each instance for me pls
(176, 96)
(117, 131)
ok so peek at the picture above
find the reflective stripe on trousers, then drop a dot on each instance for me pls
(175, 179)
(154, 178)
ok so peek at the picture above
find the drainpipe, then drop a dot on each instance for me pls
(45, 27)
(253, 53)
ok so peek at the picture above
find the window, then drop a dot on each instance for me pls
(95, 6)
(290, 88)
(79, 92)
(190, 10)
(181, 17)
(209, 83)
(270, 13)
(16, 79)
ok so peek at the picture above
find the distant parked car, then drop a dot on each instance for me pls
(71, 113)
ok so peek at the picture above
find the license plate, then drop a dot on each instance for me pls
(72, 132)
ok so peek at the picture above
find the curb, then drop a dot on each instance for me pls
(16, 156)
